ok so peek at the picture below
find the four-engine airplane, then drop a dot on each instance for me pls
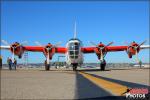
(74, 51)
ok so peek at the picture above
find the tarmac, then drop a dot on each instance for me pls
(66, 84)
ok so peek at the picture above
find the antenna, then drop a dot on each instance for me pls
(75, 31)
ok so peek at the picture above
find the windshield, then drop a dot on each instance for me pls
(74, 50)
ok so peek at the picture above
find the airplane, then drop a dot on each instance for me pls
(74, 51)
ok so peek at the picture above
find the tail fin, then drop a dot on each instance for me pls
(75, 31)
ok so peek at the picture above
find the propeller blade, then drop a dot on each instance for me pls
(13, 55)
(110, 43)
(38, 43)
(143, 42)
(24, 42)
(57, 44)
(93, 43)
(102, 57)
(5, 42)
(47, 58)
(96, 45)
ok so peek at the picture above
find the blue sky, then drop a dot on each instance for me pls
(96, 21)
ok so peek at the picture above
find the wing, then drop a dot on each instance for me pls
(145, 46)
(111, 48)
(41, 48)
(61, 50)
(88, 49)
(5, 47)
(33, 48)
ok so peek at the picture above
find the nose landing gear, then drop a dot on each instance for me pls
(74, 67)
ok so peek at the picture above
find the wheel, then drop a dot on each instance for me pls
(47, 67)
(102, 65)
(20, 56)
(74, 67)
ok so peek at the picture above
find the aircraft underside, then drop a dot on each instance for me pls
(75, 65)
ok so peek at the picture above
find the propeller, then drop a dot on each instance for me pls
(101, 49)
(110, 43)
(48, 49)
(136, 47)
(13, 47)
(24, 43)
(5, 42)
(136, 50)
(13, 55)
(38, 43)
(13, 51)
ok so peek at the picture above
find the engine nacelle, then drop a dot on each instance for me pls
(100, 49)
(17, 49)
(133, 49)
(49, 49)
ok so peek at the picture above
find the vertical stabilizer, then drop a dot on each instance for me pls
(75, 31)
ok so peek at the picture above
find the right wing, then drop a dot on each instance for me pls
(41, 48)
(61, 50)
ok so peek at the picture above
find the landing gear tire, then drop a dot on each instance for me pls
(75, 67)
(47, 67)
(102, 65)
(20, 56)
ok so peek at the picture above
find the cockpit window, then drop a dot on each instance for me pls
(74, 50)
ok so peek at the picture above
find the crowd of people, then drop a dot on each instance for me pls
(11, 64)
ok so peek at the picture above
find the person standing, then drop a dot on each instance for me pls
(15, 63)
(9, 62)
(0, 62)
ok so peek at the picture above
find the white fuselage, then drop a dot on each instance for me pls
(74, 54)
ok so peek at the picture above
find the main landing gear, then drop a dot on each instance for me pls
(102, 65)
(74, 67)
(47, 66)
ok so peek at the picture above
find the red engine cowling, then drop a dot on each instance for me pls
(17, 49)
(49, 49)
(99, 48)
(133, 49)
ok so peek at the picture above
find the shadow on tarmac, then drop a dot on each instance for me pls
(90, 70)
(125, 83)
(76, 70)
(85, 89)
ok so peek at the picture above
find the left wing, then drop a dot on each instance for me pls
(111, 48)
(101, 49)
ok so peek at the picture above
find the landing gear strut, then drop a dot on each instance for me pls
(47, 66)
(102, 65)
(74, 67)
